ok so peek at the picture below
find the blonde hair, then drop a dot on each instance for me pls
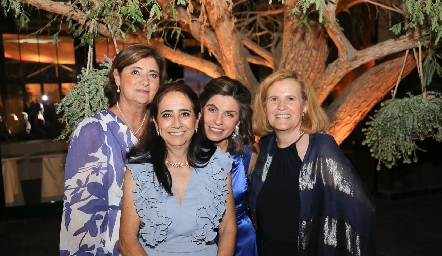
(315, 119)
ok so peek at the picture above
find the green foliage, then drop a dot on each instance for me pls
(113, 13)
(120, 17)
(392, 132)
(431, 66)
(85, 99)
(425, 14)
(15, 5)
(304, 5)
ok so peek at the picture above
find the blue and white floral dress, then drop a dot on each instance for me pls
(170, 228)
(94, 175)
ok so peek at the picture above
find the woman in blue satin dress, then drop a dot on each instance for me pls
(227, 122)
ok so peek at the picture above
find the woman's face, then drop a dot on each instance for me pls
(176, 121)
(284, 105)
(221, 116)
(138, 82)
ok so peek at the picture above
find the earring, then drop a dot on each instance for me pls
(235, 132)
(158, 133)
(118, 89)
(303, 113)
(196, 130)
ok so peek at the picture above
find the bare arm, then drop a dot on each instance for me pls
(130, 221)
(227, 227)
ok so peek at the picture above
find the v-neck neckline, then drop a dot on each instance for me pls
(185, 191)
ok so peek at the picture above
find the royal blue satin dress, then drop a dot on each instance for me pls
(246, 236)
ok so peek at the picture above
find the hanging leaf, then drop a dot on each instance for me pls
(85, 99)
(392, 133)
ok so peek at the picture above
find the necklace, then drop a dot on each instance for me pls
(178, 165)
(127, 123)
(300, 136)
(296, 141)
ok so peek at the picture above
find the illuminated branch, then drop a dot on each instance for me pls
(345, 49)
(340, 67)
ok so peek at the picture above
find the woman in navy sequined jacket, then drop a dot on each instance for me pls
(306, 197)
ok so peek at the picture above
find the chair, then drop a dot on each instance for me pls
(52, 177)
(11, 181)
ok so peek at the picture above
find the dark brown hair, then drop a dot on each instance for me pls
(128, 56)
(152, 148)
(227, 86)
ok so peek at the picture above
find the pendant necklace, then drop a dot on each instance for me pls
(300, 136)
(297, 140)
(178, 165)
(127, 123)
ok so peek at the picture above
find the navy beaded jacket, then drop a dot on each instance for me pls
(337, 211)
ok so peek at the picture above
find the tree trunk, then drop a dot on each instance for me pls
(303, 50)
(233, 58)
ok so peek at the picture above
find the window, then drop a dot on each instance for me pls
(36, 71)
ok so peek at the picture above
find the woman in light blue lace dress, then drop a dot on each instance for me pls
(177, 190)
(95, 162)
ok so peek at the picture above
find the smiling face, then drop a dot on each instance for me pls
(221, 116)
(138, 82)
(284, 106)
(176, 121)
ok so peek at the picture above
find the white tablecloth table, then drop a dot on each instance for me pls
(11, 181)
(52, 176)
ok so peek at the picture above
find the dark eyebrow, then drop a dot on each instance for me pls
(181, 110)
(165, 111)
(212, 105)
(150, 70)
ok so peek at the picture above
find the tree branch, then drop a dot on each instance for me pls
(345, 5)
(353, 105)
(233, 52)
(179, 57)
(59, 8)
(175, 56)
(206, 36)
(345, 48)
(266, 55)
(339, 68)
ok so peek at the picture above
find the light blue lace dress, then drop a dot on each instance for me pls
(170, 228)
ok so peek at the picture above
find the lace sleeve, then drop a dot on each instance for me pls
(148, 198)
(211, 206)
